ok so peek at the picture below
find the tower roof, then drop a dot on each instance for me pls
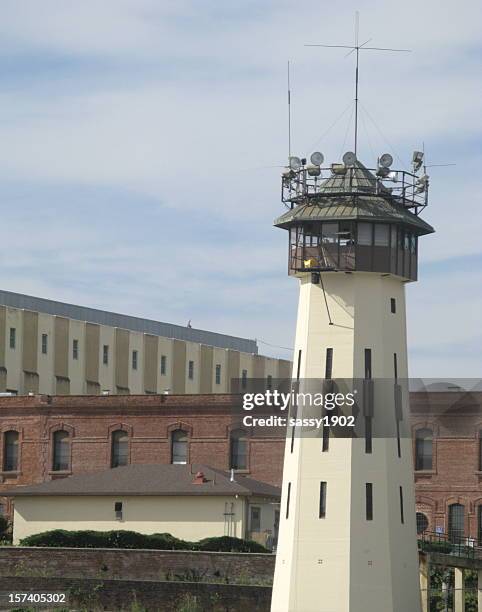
(356, 195)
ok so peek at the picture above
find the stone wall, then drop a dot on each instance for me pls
(125, 564)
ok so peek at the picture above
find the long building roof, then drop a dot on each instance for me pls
(136, 324)
(149, 480)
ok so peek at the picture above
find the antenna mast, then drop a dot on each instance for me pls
(289, 115)
(357, 48)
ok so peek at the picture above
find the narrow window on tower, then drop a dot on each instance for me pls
(288, 500)
(397, 400)
(322, 499)
(402, 517)
(326, 439)
(395, 367)
(368, 409)
(294, 407)
(368, 363)
(369, 501)
(393, 305)
(329, 363)
(45, 340)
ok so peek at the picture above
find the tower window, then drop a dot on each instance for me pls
(393, 305)
(368, 435)
(322, 512)
(10, 451)
(179, 444)
(13, 337)
(134, 360)
(118, 511)
(120, 448)
(61, 456)
(382, 235)
(329, 363)
(368, 363)
(288, 500)
(402, 517)
(190, 370)
(163, 365)
(105, 354)
(269, 382)
(395, 366)
(255, 519)
(423, 449)
(75, 349)
(369, 501)
(325, 445)
(218, 373)
(44, 343)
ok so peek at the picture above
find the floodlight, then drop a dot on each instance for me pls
(314, 170)
(338, 168)
(383, 172)
(317, 158)
(295, 163)
(417, 160)
(349, 158)
(392, 176)
(386, 160)
(288, 174)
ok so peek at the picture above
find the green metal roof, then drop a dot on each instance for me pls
(345, 205)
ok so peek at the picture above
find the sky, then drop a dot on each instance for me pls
(141, 143)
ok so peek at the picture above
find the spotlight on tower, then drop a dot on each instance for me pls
(349, 159)
(422, 184)
(317, 158)
(417, 160)
(385, 161)
(314, 170)
(295, 163)
(339, 169)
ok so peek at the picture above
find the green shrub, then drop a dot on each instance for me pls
(133, 539)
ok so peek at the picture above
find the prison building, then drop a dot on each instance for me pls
(54, 348)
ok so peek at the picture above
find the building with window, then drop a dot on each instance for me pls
(46, 438)
(55, 348)
(190, 502)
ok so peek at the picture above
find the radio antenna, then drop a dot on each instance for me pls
(357, 48)
(289, 115)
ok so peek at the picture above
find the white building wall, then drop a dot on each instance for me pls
(45, 363)
(13, 356)
(106, 372)
(164, 381)
(136, 343)
(77, 366)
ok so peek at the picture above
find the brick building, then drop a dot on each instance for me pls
(46, 437)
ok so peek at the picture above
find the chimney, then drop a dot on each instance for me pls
(199, 478)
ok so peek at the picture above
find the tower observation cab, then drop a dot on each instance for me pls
(356, 219)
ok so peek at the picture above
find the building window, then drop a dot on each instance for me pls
(10, 451)
(288, 500)
(329, 363)
(120, 448)
(393, 305)
(13, 337)
(218, 373)
(179, 441)
(190, 370)
(75, 349)
(395, 366)
(422, 522)
(239, 450)
(163, 365)
(134, 360)
(369, 501)
(382, 235)
(479, 525)
(244, 379)
(423, 449)
(480, 450)
(402, 516)
(105, 354)
(269, 382)
(255, 519)
(118, 511)
(61, 456)
(368, 435)
(322, 512)
(325, 444)
(456, 523)
(45, 340)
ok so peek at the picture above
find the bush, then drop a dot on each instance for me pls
(133, 539)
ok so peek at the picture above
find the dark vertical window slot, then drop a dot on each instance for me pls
(329, 363)
(326, 439)
(393, 305)
(368, 435)
(368, 363)
(399, 446)
(369, 501)
(395, 366)
(402, 517)
(294, 407)
(298, 367)
(322, 499)
(288, 500)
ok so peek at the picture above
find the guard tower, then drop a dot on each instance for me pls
(347, 538)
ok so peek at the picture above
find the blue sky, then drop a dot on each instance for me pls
(140, 139)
